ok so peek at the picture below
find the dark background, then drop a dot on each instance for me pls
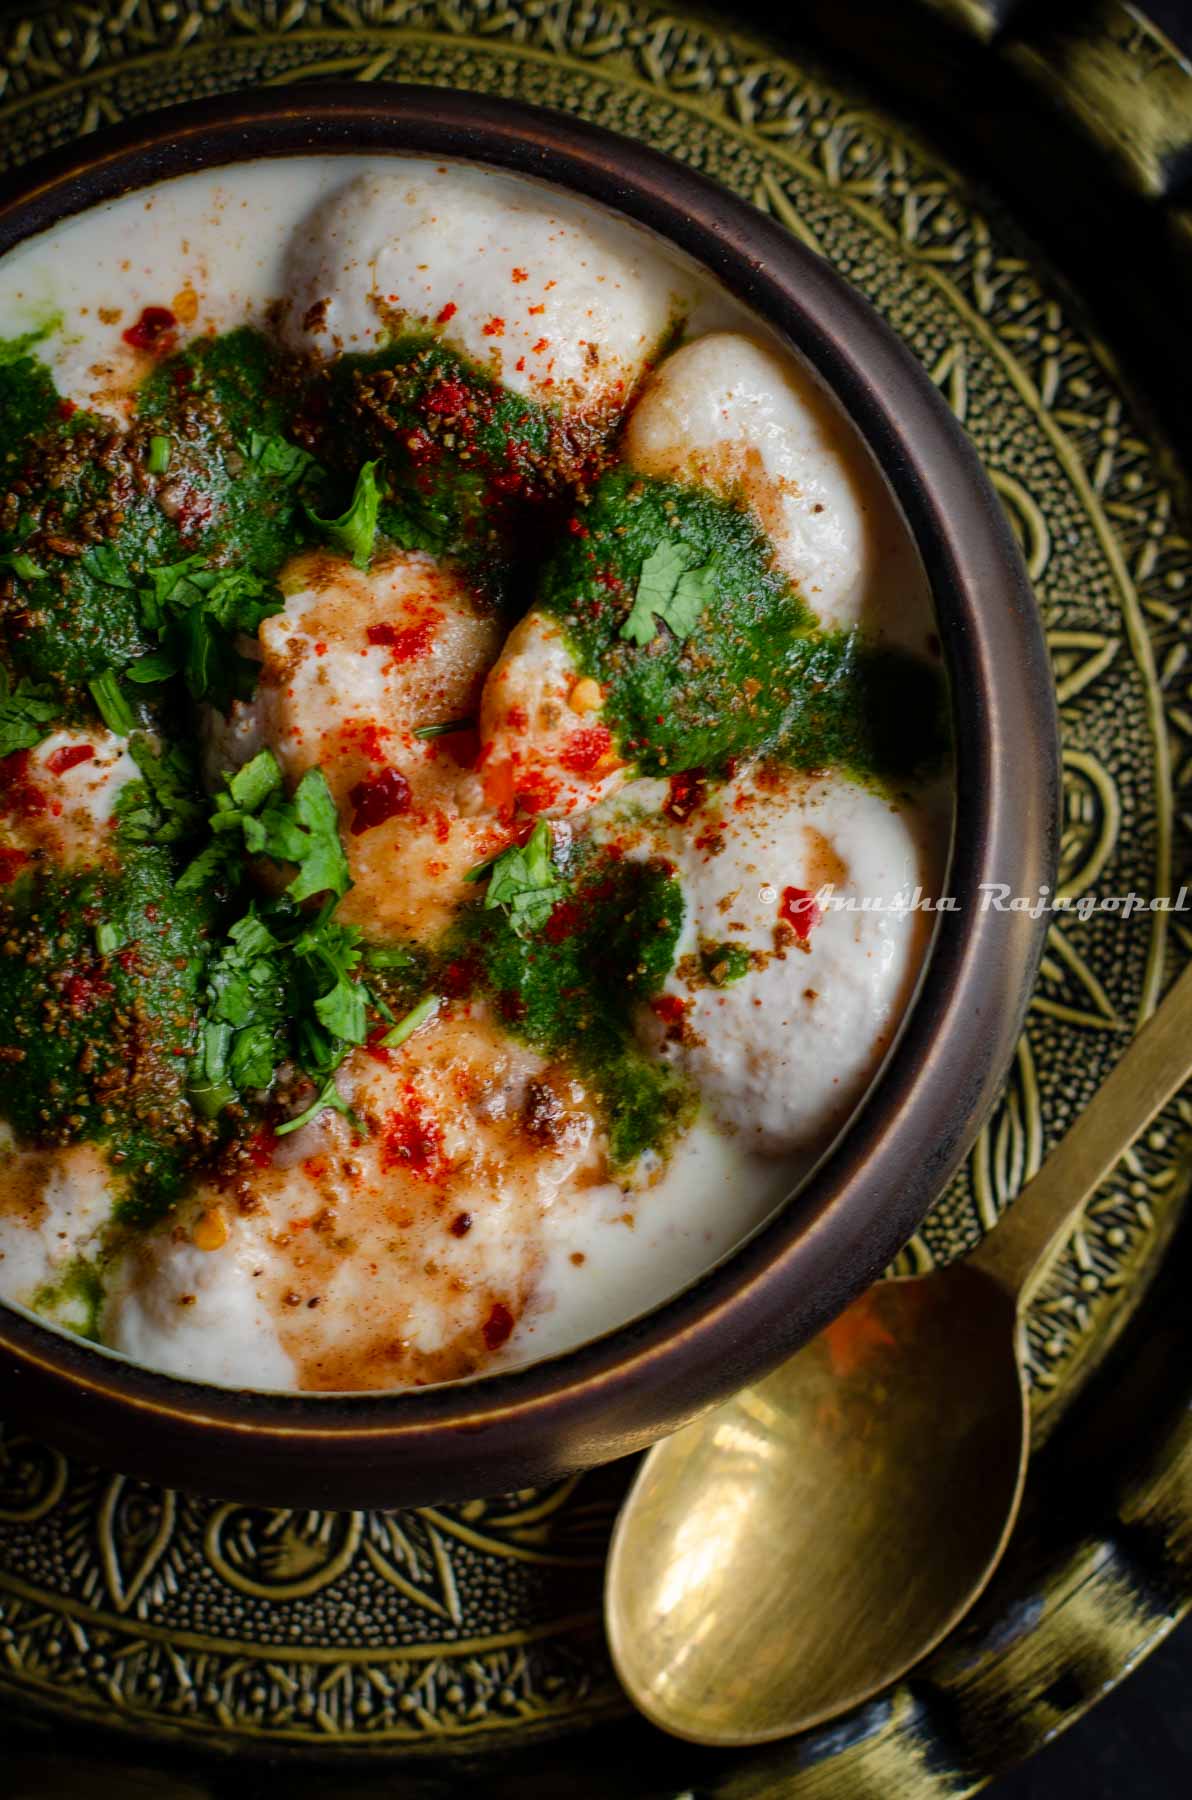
(1137, 1743)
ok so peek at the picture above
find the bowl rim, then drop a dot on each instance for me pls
(855, 1211)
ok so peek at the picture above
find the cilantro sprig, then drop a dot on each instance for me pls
(671, 588)
(524, 881)
(252, 817)
(196, 613)
(286, 985)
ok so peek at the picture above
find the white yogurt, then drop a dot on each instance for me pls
(339, 1263)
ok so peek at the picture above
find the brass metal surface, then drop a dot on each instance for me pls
(188, 1625)
(873, 1480)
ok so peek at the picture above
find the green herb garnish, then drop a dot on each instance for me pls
(158, 459)
(164, 806)
(274, 455)
(524, 881)
(27, 713)
(354, 532)
(22, 566)
(671, 589)
(443, 729)
(407, 1026)
(113, 708)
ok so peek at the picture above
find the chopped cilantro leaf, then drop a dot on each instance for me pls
(159, 665)
(305, 830)
(524, 881)
(107, 565)
(334, 950)
(22, 565)
(670, 589)
(164, 806)
(354, 532)
(252, 785)
(274, 455)
(27, 713)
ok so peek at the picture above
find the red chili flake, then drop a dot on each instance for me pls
(577, 528)
(459, 977)
(83, 990)
(686, 793)
(128, 958)
(564, 922)
(540, 346)
(519, 275)
(447, 312)
(608, 578)
(520, 364)
(536, 309)
(798, 908)
(320, 649)
(378, 798)
(498, 1327)
(19, 795)
(421, 448)
(376, 1048)
(67, 409)
(669, 1008)
(585, 749)
(69, 757)
(412, 1142)
(447, 398)
(154, 331)
(261, 1147)
(461, 1224)
(11, 864)
(494, 328)
(406, 644)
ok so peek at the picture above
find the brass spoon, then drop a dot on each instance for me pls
(792, 1553)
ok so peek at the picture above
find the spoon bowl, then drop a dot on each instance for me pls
(798, 1549)
(767, 1523)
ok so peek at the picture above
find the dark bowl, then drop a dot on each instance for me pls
(872, 1190)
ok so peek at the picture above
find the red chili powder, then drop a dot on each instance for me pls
(406, 643)
(412, 1142)
(585, 749)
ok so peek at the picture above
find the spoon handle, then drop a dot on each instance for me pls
(1019, 1252)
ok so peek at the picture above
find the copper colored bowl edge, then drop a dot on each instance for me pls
(867, 1197)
